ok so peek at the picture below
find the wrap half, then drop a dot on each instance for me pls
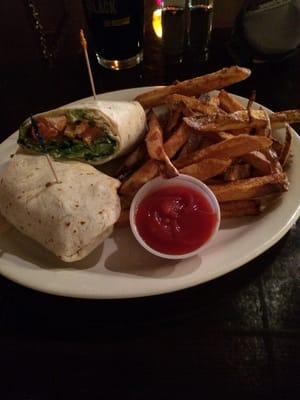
(92, 131)
(70, 218)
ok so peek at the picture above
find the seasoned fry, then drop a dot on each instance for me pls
(134, 158)
(123, 221)
(267, 130)
(289, 116)
(155, 147)
(215, 101)
(146, 172)
(285, 151)
(259, 161)
(174, 119)
(240, 208)
(192, 144)
(277, 147)
(240, 120)
(150, 169)
(227, 122)
(228, 103)
(274, 160)
(224, 135)
(192, 103)
(126, 201)
(196, 86)
(207, 168)
(230, 148)
(236, 172)
(250, 188)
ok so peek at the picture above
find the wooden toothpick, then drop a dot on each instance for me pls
(84, 46)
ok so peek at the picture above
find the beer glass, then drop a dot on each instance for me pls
(117, 31)
(173, 20)
(200, 15)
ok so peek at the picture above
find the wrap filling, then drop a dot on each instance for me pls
(74, 134)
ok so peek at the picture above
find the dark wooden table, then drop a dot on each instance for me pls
(237, 335)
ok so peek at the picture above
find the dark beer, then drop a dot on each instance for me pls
(173, 30)
(199, 26)
(117, 31)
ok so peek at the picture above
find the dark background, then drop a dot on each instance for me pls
(236, 336)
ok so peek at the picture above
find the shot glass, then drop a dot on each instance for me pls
(117, 28)
(199, 27)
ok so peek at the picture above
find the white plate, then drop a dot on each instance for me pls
(121, 268)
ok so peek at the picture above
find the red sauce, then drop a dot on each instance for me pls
(175, 219)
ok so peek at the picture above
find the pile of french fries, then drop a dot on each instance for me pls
(215, 139)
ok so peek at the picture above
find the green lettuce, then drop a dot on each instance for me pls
(71, 149)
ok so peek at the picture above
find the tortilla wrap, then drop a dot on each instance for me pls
(92, 131)
(70, 218)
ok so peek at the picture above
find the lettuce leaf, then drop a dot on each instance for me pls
(77, 115)
(71, 149)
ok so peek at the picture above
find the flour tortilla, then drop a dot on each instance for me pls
(124, 120)
(70, 218)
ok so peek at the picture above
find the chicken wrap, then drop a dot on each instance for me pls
(70, 218)
(93, 131)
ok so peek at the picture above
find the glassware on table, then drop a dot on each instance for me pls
(200, 16)
(117, 28)
(173, 20)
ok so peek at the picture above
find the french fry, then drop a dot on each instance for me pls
(150, 169)
(259, 161)
(207, 168)
(240, 208)
(215, 101)
(285, 151)
(174, 119)
(227, 122)
(236, 172)
(132, 161)
(126, 201)
(274, 160)
(277, 147)
(192, 103)
(146, 172)
(224, 135)
(250, 188)
(231, 148)
(288, 116)
(228, 103)
(123, 221)
(240, 120)
(155, 147)
(196, 86)
(267, 130)
(192, 144)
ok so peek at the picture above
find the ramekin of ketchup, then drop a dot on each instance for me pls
(174, 218)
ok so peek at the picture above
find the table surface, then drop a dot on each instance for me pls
(238, 334)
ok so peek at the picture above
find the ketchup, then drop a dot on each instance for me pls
(175, 219)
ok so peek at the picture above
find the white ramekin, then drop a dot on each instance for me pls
(159, 182)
